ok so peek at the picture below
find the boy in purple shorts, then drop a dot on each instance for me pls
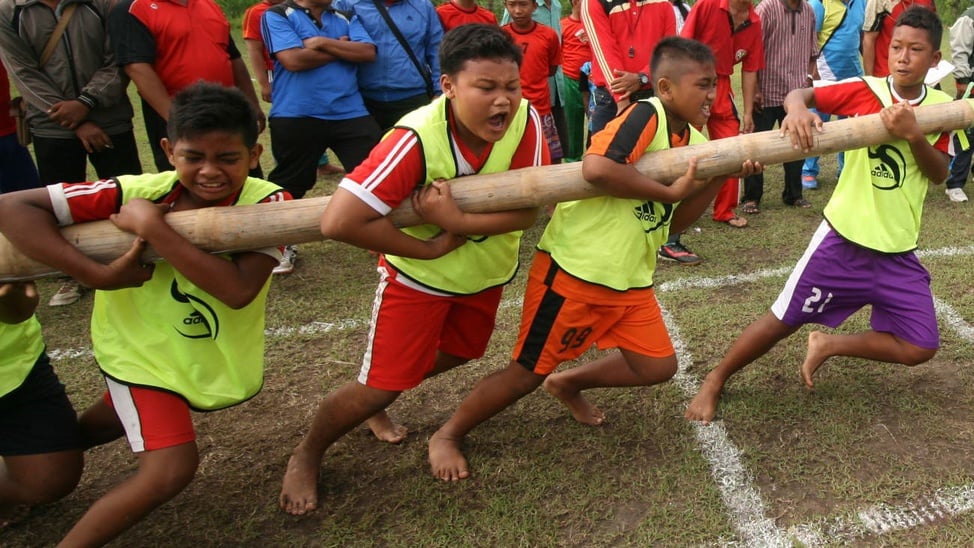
(863, 253)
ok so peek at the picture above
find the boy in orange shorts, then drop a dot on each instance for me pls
(572, 301)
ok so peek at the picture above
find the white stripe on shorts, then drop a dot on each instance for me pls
(363, 375)
(127, 413)
(780, 305)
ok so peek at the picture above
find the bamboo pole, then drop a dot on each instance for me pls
(240, 228)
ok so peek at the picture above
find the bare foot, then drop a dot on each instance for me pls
(299, 493)
(13, 514)
(703, 406)
(382, 426)
(446, 460)
(581, 409)
(329, 169)
(814, 357)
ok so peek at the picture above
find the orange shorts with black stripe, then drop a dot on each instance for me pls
(564, 316)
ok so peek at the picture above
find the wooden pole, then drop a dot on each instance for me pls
(264, 225)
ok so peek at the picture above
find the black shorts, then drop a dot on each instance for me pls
(37, 417)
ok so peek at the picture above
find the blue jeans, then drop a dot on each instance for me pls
(960, 165)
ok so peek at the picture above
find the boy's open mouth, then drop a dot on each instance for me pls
(497, 121)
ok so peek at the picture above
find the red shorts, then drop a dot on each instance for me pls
(153, 419)
(556, 328)
(409, 326)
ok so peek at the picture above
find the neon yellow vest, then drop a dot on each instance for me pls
(878, 200)
(613, 241)
(172, 335)
(484, 261)
(20, 346)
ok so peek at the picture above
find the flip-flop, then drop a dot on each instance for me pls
(750, 208)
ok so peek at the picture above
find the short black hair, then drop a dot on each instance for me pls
(677, 51)
(924, 19)
(476, 41)
(205, 107)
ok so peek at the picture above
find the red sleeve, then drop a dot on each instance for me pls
(846, 98)
(753, 43)
(85, 202)
(943, 144)
(605, 51)
(389, 175)
(251, 24)
(533, 149)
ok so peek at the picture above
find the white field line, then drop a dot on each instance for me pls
(734, 482)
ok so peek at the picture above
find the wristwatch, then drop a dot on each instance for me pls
(643, 79)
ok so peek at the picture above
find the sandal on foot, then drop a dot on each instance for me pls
(802, 203)
(737, 222)
(750, 207)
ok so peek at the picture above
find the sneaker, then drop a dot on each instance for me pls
(286, 266)
(809, 182)
(68, 293)
(956, 195)
(679, 253)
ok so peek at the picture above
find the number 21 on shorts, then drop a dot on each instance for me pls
(816, 299)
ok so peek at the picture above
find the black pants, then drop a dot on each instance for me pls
(298, 143)
(386, 114)
(155, 129)
(764, 120)
(66, 160)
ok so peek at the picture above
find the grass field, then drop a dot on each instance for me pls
(877, 455)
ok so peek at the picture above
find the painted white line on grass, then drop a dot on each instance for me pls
(953, 320)
(734, 482)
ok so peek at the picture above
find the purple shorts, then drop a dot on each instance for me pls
(551, 137)
(835, 278)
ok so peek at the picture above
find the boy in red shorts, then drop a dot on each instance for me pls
(185, 333)
(572, 300)
(542, 55)
(440, 283)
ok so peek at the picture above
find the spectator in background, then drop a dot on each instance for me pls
(166, 45)
(548, 13)
(393, 84)
(542, 56)
(962, 52)
(17, 171)
(316, 102)
(454, 13)
(575, 52)
(732, 29)
(790, 50)
(838, 23)
(877, 31)
(77, 107)
(263, 67)
(622, 36)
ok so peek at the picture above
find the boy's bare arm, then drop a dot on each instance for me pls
(27, 220)
(348, 219)
(255, 54)
(235, 282)
(17, 302)
(435, 204)
(800, 124)
(900, 121)
(625, 181)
